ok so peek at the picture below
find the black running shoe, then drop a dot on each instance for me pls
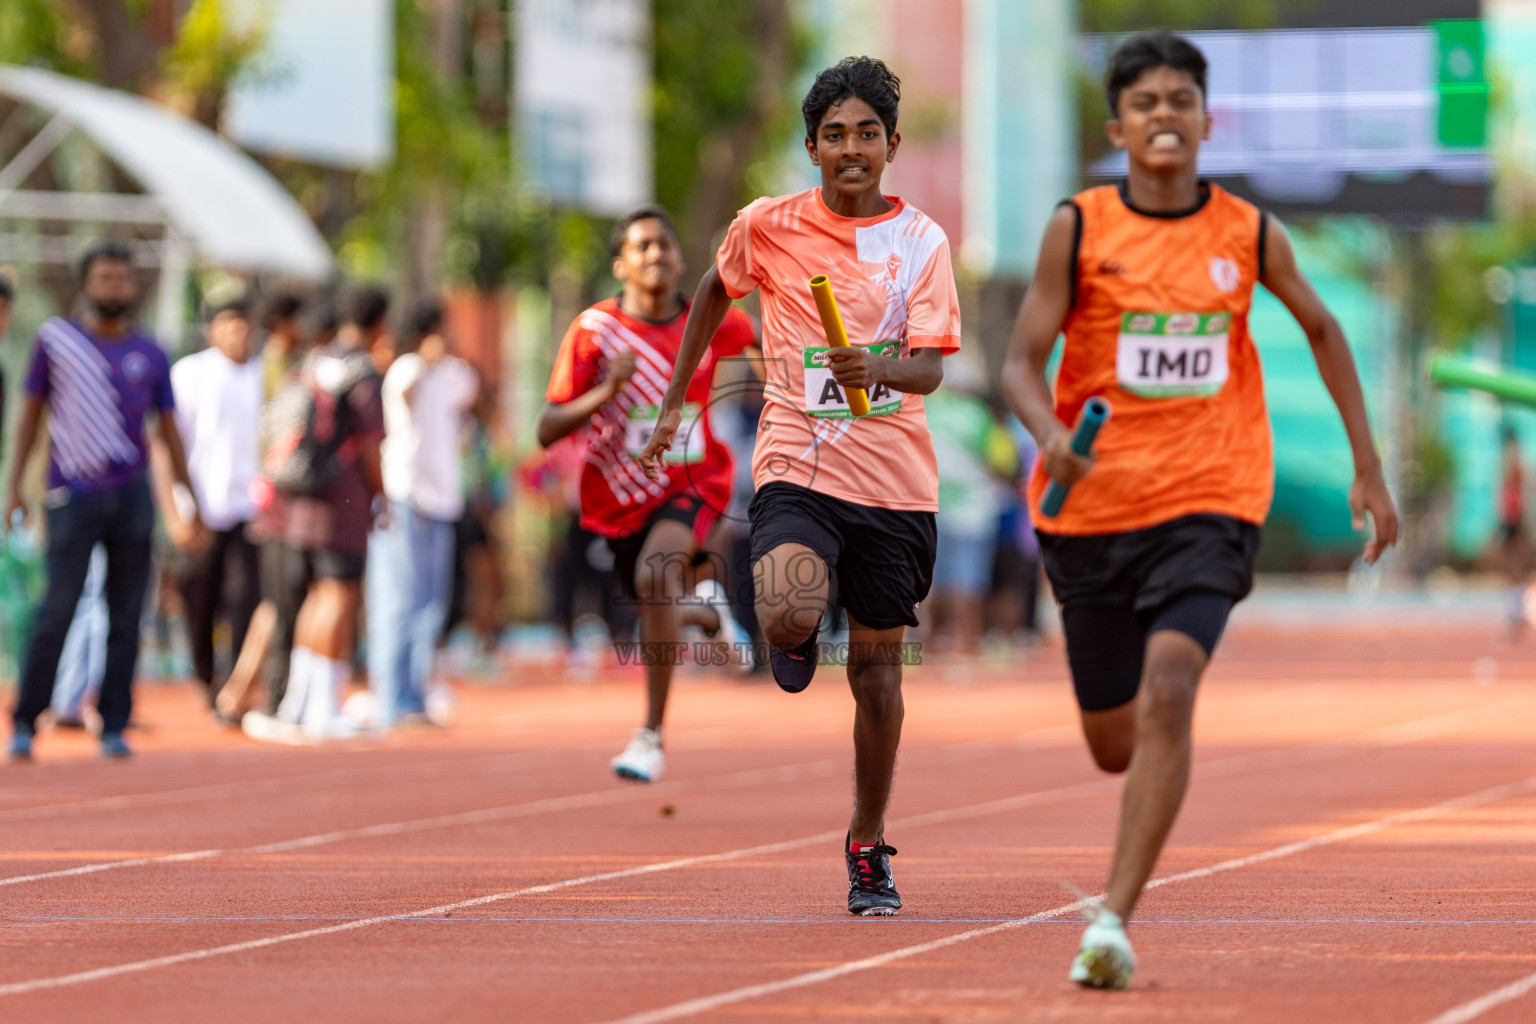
(871, 890)
(793, 670)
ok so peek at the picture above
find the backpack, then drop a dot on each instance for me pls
(308, 440)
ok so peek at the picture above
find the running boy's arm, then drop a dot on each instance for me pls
(1336, 366)
(1034, 336)
(561, 419)
(710, 304)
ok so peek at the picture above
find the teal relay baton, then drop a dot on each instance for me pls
(1095, 413)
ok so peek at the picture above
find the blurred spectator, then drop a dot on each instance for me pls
(736, 425)
(269, 639)
(84, 657)
(581, 565)
(1513, 546)
(97, 377)
(7, 296)
(477, 584)
(1013, 604)
(324, 487)
(428, 395)
(278, 315)
(318, 325)
(219, 396)
(969, 506)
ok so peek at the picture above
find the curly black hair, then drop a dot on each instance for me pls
(866, 78)
(1142, 53)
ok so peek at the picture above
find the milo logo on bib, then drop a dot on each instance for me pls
(1172, 355)
(825, 397)
(687, 443)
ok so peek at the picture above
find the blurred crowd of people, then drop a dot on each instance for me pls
(320, 469)
(314, 442)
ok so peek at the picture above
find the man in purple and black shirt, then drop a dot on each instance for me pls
(97, 377)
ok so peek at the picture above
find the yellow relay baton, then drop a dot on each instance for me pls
(837, 335)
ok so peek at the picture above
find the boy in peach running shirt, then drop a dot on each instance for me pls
(839, 493)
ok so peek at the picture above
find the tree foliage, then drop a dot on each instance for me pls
(1140, 15)
(723, 105)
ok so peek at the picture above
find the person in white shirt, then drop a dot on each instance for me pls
(429, 394)
(219, 395)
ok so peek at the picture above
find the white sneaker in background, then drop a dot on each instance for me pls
(265, 728)
(739, 661)
(442, 704)
(362, 710)
(322, 718)
(642, 760)
(296, 692)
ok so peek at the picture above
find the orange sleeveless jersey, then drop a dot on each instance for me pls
(1159, 327)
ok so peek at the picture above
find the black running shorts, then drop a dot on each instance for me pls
(1116, 589)
(883, 557)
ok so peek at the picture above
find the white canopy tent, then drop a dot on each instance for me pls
(212, 202)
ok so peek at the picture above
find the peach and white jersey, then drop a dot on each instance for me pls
(895, 288)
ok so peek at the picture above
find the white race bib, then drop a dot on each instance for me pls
(1173, 355)
(687, 443)
(825, 397)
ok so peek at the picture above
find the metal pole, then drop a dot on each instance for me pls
(175, 265)
(34, 153)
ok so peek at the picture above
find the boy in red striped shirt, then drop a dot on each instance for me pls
(609, 378)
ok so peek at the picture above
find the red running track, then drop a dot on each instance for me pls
(1358, 845)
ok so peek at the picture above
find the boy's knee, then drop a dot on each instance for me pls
(1167, 698)
(876, 686)
(1112, 755)
(781, 630)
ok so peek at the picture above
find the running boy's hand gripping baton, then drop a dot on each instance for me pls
(1095, 412)
(837, 335)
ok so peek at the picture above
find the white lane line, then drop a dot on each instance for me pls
(1482, 1004)
(133, 800)
(1418, 731)
(1392, 735)
(505, 812)
(693, 1007)
(1032, 739)
(19, 988)
(1400, 734)
(787, 773)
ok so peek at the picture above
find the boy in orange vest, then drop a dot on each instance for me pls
(1151, 281)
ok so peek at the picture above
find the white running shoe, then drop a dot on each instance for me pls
(442, 704)
(362, 710)
(738, 660)
(642, 760)
(265, 728)
(1105, 959)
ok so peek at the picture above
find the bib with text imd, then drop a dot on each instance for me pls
(1172, 355)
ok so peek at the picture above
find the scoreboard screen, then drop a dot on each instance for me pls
(1387, 119)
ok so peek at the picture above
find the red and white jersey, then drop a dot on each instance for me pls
(616, 496)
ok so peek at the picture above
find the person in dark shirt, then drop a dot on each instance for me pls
(97, 377)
